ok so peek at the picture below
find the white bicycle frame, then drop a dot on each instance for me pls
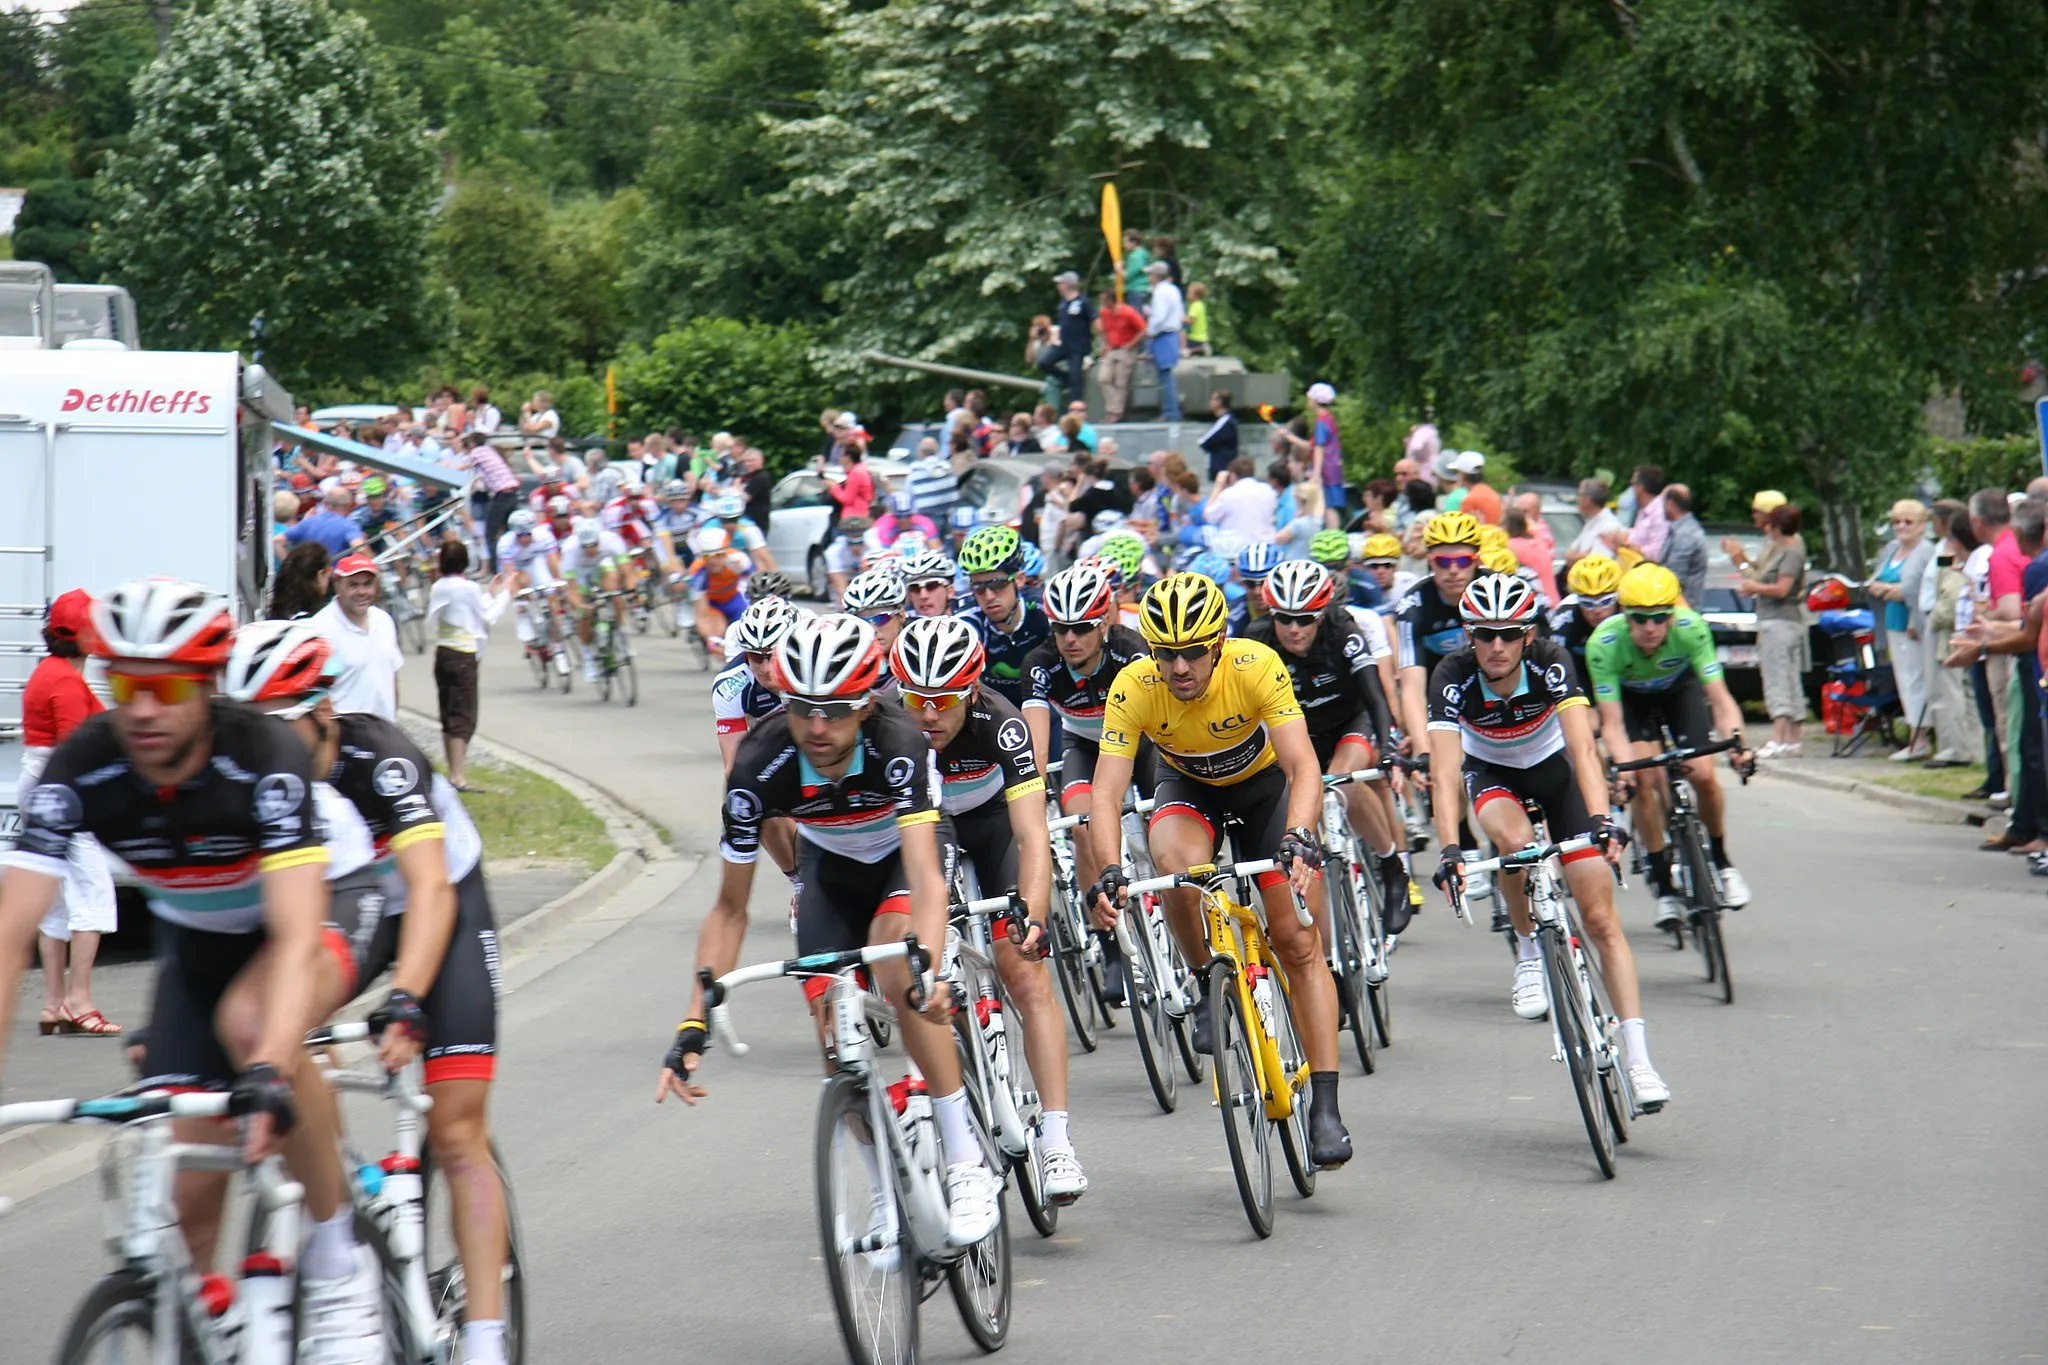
(141, 1214)
(1013, 1117)
(1342, 840)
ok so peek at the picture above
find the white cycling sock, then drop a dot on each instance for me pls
(956, 1128)
(1053, 1127)
(331, 1247)
(1633, 1045)
(1525, 947)
(873, 1161)
(483, 1342)
(1389, 851)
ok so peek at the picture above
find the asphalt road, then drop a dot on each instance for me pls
(1852, 1168)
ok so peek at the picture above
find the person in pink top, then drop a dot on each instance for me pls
(855, 493)
(55, 702)
(1532, 552)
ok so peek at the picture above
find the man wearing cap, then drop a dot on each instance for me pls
(1480, 499)
(1165, 315)
(364, 639)
(1761, 506)
(1327, 448)
(1075, 318)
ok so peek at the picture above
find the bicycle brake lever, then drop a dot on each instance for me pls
(714, 993)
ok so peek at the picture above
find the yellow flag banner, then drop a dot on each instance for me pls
(1113, 233)
(611, 399)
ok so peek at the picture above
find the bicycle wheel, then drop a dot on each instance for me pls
(1148, 1009)
(1614, 1097)
(1182, 979)
(1567, 1009)
(1245, 1130)
(628, 676)
(667, 605)
(876, 1286)
(1070, 968)
(1347, 938)
(116, 1323)
(538, 658)
(1293, 1130)
(571, 657)
(1714, 948)
(447, 1287)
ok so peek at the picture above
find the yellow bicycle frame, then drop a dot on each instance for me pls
(1236, 932)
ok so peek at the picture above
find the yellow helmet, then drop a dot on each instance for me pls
(1594, 576)
(1380, 546)
(1499, 559)
(1493, 538)
(1452, 528)
(1183, 609)
(1650, 587)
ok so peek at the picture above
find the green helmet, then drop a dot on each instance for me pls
(1125, 549)
(992, 549)
(373, 486)
(1331, 549)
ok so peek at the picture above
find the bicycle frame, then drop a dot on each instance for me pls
(1012, 1128)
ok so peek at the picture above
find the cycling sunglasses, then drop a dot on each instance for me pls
(1289, 618)
(1649, 618)
(1452, 561)
(826, 708)
(1162, 655)
(1600, 603)
(880, 619)
(1382, 563)
(172, 689)
(1498, 632)
(759, 657)
(1075, 627)
(935, 701)
(982, 585)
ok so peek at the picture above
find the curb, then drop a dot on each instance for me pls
(1931, 808)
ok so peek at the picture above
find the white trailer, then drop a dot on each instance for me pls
(121, 464)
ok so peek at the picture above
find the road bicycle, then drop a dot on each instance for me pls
(1076, 952)
(1160, 989)
(1261, 1079)
(990, 1033)
(1692, 865)
(654, 599)
(882, 1213)
(1356, 945)
(612, 648)
(551, 648)
(1584, 1033)
(396, 1197)
(156, 1306)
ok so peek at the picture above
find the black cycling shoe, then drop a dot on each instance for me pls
(1112, 992)
(1501, 922)
(1202, 1037)
(1329, 1141)
(1400, 909)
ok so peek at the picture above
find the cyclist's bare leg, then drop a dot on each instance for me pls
(710, 621)
(1300, 950)
(1179, 842)
(1649, 805)
(461, 1140)
(1706, 785)
(930, 1045)
(1592, 884)
(1045, 1028)
(1506, 825)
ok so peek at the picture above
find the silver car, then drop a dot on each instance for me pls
(802, 516)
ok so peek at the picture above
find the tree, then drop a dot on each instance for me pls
(1742, 240)
(756, 379)
(55, 227)
(961, 147)
(275, 170)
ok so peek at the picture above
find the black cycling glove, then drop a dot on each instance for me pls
(1112, 883)
(402, 1011)
(1449, 868)
(260, 1090)
(1610, 835)
(1299, 845)
(689, 1042)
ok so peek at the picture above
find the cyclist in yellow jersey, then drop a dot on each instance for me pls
(1223, 716)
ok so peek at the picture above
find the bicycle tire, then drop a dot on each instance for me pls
(1245, 1130)
(1070, 969)
(671, 624)
(1148, 1010)
(572, 655)
(897, 1281)
(1293, 1130)
(1566, 1008)
(980, 1278)
(1707, 929)
(124, 1299)
(1030, 1167)
(1347, 938)
(629, 680)
(446, 1284)
(1191, 1060)
(1706, 917)
(1613, 1096)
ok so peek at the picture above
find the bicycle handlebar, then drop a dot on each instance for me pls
(1359, 775)
(1065, 822)
(202, 1104)
(1009, 907)
(812, 964)
(1672, 758)
(1527, 857)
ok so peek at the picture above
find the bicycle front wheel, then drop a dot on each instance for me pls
(629, 679)
(1568, 1010)
(1070, 967)
(1707, 930)
(1347, 938)
(1293, 1130)
(1148, 1010)
(872, 1271)
(1245, 1130)
(116, 1323)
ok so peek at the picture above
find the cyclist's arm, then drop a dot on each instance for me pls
(1297, 755)
(1614, 733)
(764, 562)
(1577, 723)
(429, 919)
(294, 907)
(728, 745)
(928, 892)
(1447, 792)
(1112, 780)
(1414, 715)
(1034, 852)
(724, 929)
(1726, 711)
(1038, 720)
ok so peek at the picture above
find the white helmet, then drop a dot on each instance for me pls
(558, 506)
(762, 625)
(873, 591)
(167, 620)
(829, 658)
(1081, 592)
(281, 661)
(927, 566)
(1299, 586)
(938, 654)
(1498, 600)
(726, 506)
(588, 532)
(520, 523)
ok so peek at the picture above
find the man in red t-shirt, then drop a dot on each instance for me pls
(1123, 329)
(54, 703)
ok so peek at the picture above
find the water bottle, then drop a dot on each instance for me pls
(266, 1311)
(400, 1204)
(913, 1104)
(1262, 998)
(988, 1013)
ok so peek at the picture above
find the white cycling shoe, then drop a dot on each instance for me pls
(1531, 996)
(1650, 1091)
(971, 1201)
(1064, 1180)
(1734, 890)
(1670, 910)
(882, 1229)
(342, 1321)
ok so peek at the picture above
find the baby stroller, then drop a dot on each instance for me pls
(1860, 700)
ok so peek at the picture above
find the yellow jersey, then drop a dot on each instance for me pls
(1221, 737)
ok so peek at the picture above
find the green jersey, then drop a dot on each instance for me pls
(1615, 665)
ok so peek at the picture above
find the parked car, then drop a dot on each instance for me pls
(800, 522)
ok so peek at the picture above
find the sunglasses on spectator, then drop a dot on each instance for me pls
(935, 701)
(172, 689)
(1452, 561)
(1291, 618)
(1494, 634)
(1161, 654)
(826, 708)
(1075, 627)
(986, 585)
(1649, 618)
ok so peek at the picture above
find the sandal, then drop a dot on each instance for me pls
(92, 1024)
(53, 1021)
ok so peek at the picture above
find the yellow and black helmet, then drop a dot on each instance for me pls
(1452, 528)
(1594, 576)
(1649, 587)
(1492, 538)
(1381, 546)
(1498, 559)
(1181, 610)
